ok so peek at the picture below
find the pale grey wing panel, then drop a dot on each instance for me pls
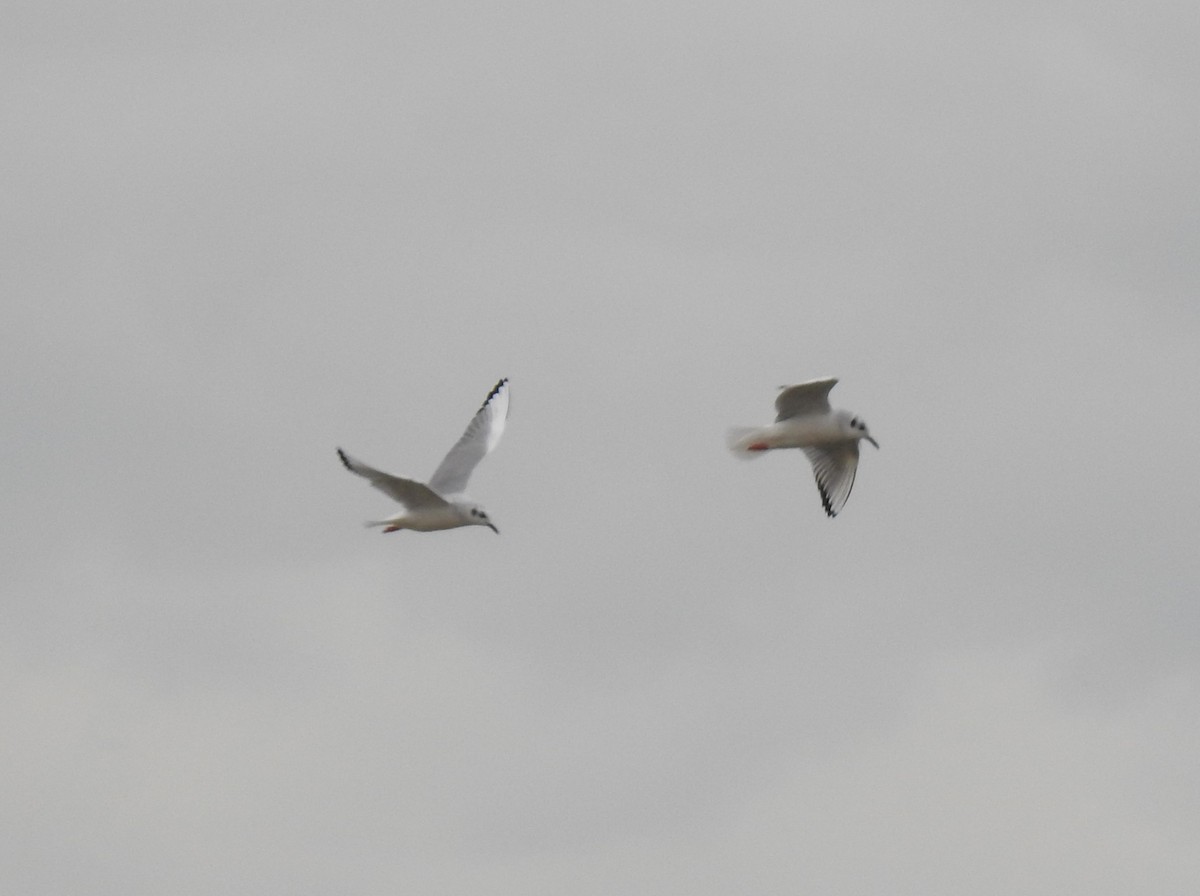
(480, 437)
(834, 470)
(410, 493)
(806, 398)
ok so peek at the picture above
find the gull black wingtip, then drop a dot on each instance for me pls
(496, 389)
(825, 502)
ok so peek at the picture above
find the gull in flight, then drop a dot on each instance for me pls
(829, 438)
(440, 505)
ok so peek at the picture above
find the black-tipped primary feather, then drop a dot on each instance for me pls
(410, 493)
(480, 437)
(834, 469)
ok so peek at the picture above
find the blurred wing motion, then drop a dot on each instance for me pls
(413, 495)
(480, 437)
(806, 398)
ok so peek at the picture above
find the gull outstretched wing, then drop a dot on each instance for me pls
(806, 398)
(410, 493)
(480, 437)
(834, 468)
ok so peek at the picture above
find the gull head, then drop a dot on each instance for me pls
(477, 516)
(856, 428)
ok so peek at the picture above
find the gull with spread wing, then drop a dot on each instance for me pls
(440, 505)
(829, 438)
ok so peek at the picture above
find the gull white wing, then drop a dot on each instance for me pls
(806, 398)
(480, 437)
(412, 494)
(834, 468)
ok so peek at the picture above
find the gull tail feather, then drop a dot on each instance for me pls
(740, 438)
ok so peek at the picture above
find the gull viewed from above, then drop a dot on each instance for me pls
(439, 505)
(829, 438)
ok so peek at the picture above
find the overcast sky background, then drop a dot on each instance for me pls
(241, 234)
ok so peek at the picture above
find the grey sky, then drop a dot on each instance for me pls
(239, 235)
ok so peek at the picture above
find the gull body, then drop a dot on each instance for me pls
(440, 504)
(828, 438)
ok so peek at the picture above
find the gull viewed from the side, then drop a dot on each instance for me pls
(440, 504)
(829, 438)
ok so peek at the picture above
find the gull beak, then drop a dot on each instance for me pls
(493, 528)
(872, 441)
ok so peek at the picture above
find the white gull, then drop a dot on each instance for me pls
(829, 438)
(440, 504)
